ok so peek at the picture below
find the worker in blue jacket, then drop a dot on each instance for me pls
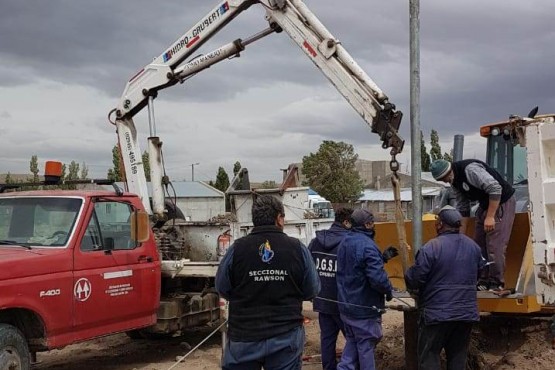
(444, 279)
(362, 287)
(324, 253)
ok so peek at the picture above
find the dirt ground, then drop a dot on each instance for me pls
(500, 343)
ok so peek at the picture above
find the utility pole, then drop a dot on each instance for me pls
(193, 170)
(410, 317)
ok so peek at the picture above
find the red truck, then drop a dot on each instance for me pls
(75, 265)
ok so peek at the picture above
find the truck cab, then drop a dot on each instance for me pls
(72, 268)
(319, 206)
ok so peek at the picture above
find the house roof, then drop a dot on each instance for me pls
(185, 189)
(427, 176)
(386, 195)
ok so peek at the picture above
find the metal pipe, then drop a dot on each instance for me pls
(151, 120)
(458, 147)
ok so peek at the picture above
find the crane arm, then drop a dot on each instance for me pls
(290, 16)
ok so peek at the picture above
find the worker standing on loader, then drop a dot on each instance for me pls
(324, 252)
(266, 276)
(362, 285)
(444, 278)
(474, 180)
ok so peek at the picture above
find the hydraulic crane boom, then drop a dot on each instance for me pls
(290, 16)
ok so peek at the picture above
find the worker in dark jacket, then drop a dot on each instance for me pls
(362, 286)
(324, 253)
(444, 278)
(266, 276)
(474, 180)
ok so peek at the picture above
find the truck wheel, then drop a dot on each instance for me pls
(14, 352)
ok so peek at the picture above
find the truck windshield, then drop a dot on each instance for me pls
(37, 221)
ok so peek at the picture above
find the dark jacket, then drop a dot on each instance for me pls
(462, 184)
(362, 282)
(265, 276)
(324, 253)
(445, 275)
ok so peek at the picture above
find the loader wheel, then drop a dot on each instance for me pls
(14, 352)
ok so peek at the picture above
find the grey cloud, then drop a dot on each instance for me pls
(480, 62)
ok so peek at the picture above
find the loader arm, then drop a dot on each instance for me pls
(290, 16)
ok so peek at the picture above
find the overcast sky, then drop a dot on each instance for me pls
(64, 65)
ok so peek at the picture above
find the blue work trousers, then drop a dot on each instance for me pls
(330, 325)
(362, 337)
(282, 352)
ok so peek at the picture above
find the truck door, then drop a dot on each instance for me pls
(116, 280)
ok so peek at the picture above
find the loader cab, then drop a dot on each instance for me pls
(508, 157)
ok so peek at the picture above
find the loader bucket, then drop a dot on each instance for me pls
(518, 270)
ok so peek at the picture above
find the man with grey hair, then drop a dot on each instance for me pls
(474, 180)
(266, 276)
(444, 278)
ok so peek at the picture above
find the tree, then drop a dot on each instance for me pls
(114, 173)
(424, 156)
(331, 172)
(448, 157)
(84, 172)
(222, 180)
(435, 150)
(269, 184)
(73, 171)
(236, 168)
(146, 165)
(34, 167)
(64, 172)
(8, 179)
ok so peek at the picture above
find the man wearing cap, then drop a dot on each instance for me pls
(444, 278)
(362, 287)
(324, 253)
(474, 180)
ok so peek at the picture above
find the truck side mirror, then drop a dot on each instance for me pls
(140, 226)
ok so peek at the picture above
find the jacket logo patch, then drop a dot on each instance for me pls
(265, 252)
(465, 186)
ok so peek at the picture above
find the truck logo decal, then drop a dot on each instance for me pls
(50, 293)
(117, 274)
(189, 40)
(82, 290)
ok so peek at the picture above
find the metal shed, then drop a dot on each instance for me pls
(197, 200)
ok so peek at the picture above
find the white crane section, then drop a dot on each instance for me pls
(290, 16)
(540, 143)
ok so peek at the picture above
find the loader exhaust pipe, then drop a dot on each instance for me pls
(458, 147)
